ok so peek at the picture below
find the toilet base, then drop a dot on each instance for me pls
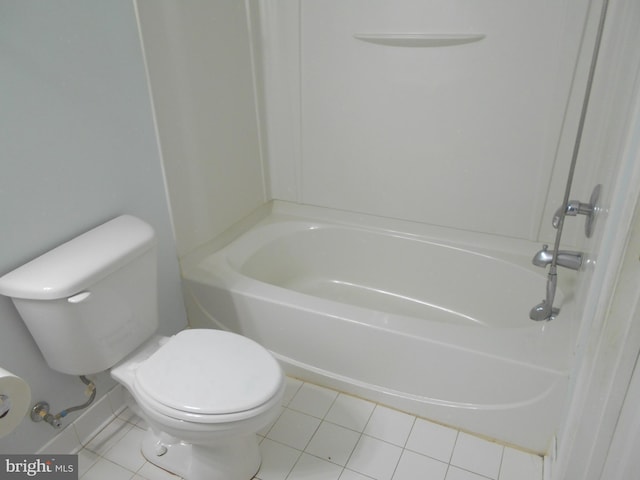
(237, 458)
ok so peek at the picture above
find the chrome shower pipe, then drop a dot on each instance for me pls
(547, 304)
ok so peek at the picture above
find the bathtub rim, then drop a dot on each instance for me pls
(241, 254)
(514, 250)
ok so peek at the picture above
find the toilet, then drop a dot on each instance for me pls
(91, 305)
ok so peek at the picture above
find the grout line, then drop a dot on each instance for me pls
(395, 468)
(355, 445)
(451, 455)
(284, 444)
(335, 399)
(312, 435)
(404, 446)
(501, 460)
(471, 471)
(455, 444)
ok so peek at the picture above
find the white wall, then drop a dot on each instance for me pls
(461, 136)
(77, 147)
(199, 56)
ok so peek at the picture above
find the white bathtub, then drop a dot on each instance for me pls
(436, 329)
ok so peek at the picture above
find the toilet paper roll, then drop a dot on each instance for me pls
(15, 398)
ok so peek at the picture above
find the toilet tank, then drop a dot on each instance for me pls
(93, 300)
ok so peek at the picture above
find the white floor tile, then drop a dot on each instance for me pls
(351, 475)
(86, 460)
(375, 458)
(127, 451)
(263, 431)
(389, 425)
(477, 455)
(333, 443)
(314, 468)
(294, 429)
(518, 465)
(302, 446)
(414, 466)
(313, 400)
(431, 439)
(455, 473)
(277, 460)
(292, 385)
(150, 472)
(350, 412)
(103, 469)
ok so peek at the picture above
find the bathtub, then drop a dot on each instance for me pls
(395, 313)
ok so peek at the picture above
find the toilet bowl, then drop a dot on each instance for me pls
(91, 305)
(204, 394)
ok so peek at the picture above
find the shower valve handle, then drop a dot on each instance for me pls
(574, 207)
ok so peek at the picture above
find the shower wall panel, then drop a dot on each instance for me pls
(199, 58)
(463, 135)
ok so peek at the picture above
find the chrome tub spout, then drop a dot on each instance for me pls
(565, 258)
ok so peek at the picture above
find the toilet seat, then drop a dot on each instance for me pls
(209, 376)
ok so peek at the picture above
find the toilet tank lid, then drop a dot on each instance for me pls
(80, 262)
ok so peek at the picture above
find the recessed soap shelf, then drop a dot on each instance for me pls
(420, 39)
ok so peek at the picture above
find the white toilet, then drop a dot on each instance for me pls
(90, 305)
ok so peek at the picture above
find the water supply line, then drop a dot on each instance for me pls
(545, 310)
(40, 410)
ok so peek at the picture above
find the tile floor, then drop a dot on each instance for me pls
(322, 434)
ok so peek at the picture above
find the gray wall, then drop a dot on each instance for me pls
(77, 147)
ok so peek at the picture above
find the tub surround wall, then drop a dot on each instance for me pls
(78, 147)
(200, 62)
(263, 99)
(464, 136)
